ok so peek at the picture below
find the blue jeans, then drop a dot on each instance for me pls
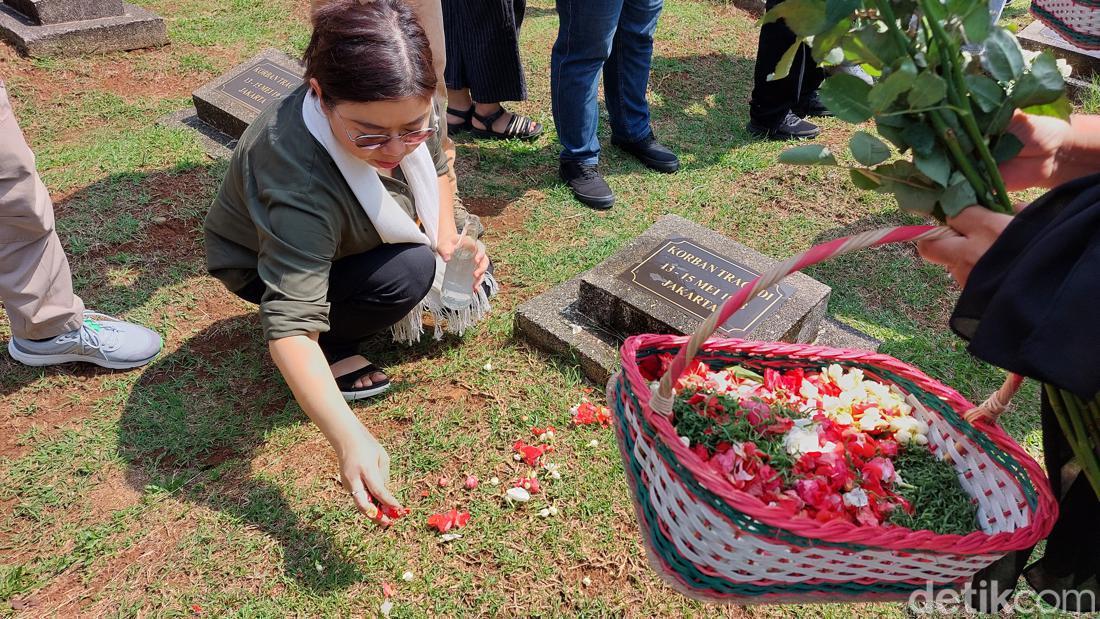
(613, 35)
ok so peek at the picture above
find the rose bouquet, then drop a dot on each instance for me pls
(948, 82)
(827, 445)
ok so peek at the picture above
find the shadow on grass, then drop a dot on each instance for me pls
(197, 414)
(193, 420)
(703, 104)
(127, 236)
(699, 111)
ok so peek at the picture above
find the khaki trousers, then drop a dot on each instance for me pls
(36, 286)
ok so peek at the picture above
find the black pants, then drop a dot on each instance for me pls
(367, 293)
(483, 48)
(771, 101)
(1070, 565)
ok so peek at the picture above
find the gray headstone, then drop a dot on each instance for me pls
(61, 11)
(586, 319)
(235, 99)
(39, 28)
(673, 276)
(1037, 36)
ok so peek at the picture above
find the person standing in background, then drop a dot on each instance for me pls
(49, 323)
(484, 68)
(615, 36)
(778, 108)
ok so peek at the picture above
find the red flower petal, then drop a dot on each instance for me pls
(388, 590)
(447, 520)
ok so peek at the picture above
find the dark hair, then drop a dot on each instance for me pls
(369, 50)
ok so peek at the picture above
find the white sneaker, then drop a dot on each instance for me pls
(105, 341)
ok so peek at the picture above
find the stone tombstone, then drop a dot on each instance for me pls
(235, 99)
(698, 281)
(668, 280)
(71, 27)
(1037, 36)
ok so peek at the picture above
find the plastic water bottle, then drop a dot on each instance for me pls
(458, 279)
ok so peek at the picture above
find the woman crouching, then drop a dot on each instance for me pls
(336, 217)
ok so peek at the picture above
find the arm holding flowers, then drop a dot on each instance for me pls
(1054, 152)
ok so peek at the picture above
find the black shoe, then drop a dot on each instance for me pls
(812, 107)
(651, 153)
(790, 128)
(587, 184)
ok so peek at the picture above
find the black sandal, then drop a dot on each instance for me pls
(454, 128)
(346, 383)
(520, 127)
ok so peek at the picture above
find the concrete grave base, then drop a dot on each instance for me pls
(563, 322)
(136, 28)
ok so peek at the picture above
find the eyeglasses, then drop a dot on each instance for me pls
(368, 141)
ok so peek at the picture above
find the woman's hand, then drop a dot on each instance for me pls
(1037, 164)
(446, 248)
(365, 469)
(978, 228)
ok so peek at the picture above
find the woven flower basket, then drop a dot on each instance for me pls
(712, 542)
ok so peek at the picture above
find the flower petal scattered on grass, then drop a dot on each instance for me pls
(530, 454)
(517, 495)
(530, 484)
(445, 521)
(471, 482)
(586, 413)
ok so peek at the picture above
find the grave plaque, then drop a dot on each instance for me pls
(668, 280)
(71, 27)
(235, 99)
(698, 281)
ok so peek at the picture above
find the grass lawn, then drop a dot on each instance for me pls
(198, 484)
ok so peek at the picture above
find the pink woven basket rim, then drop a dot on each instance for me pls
(887, 538)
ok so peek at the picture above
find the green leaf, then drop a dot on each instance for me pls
(804, 17)
(935, 166)
(985, 92)
(837, 10)
(928, 90)
(894, 135)
(920, 138)
(864, 179)
(957, 197)
(867, 149)
(828, 42)
(888, 90)
(1041, 85)
(918, 200)
(1002, 57)
(879, 44)
(783, 69)
(1059, 108)
(810, 154)
(846, 96)
(977, 22)
(1007, 147)
(997, 122)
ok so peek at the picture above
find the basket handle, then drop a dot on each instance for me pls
(661, 397)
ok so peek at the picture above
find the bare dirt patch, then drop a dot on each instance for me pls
(118, 490)
(74, 591)
(49, 409)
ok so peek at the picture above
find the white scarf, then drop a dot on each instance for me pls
(395, 226)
